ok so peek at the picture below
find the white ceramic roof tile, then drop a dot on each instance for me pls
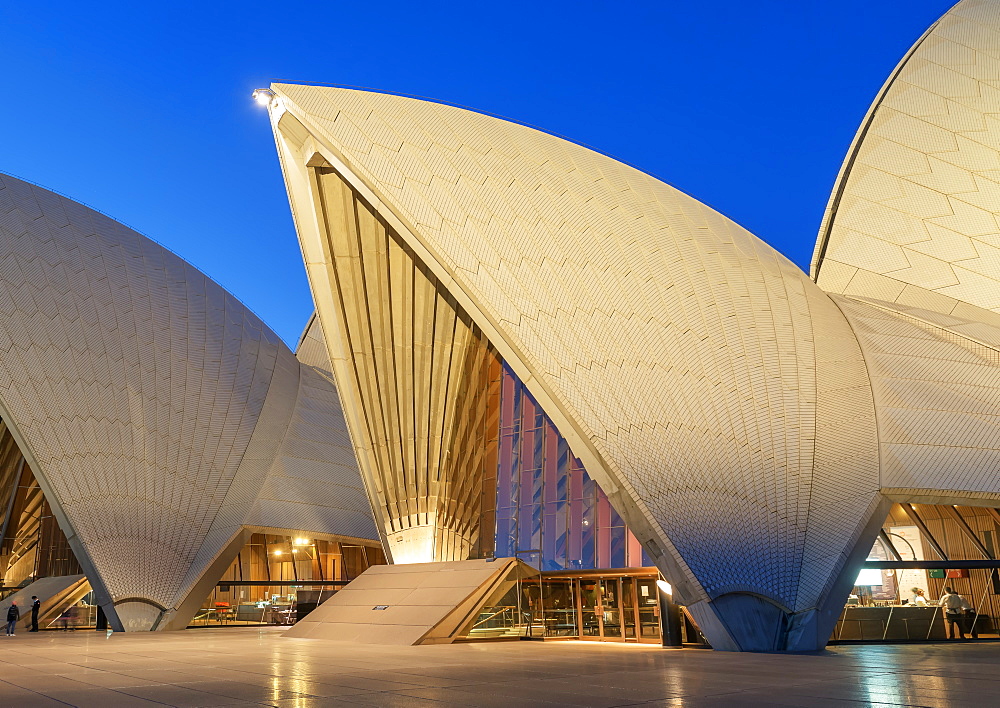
(687, 352)
(314, 482)
(138, 386)
(935, 393)
(918, 200)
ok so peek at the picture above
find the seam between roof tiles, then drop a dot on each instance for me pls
(868, 377)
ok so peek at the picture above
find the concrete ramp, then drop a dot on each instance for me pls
(56, 593)
(420, 603)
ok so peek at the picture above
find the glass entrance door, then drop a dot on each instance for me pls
(647, 609)
(591, 609)
(628, 609)
(618, 609)
(611, 608)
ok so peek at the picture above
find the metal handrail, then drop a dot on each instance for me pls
(503, 609)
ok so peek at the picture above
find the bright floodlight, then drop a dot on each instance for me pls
(870, 577)
(263, 96)
(665, 587)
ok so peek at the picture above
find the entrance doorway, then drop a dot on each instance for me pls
(618, 609)
(612, 606)
(606, 605)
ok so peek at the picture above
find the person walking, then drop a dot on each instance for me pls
(13, 615)
(970, 617)
(36, 605)
(953, 605)
(64, 619)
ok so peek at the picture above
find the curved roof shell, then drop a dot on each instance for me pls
(914, 217)
(152, 405)
(702, 378)
(911, 237)
(935, 390)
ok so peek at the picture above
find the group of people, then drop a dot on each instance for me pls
(14, 614)
(958, 613)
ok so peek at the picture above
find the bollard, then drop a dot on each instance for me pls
(670, 616)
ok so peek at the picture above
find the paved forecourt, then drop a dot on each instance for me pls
(258, 667)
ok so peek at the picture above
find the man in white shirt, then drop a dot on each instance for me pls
(953, 605)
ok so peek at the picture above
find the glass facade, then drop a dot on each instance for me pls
(617, 606)
(32, 545)
(923, 550)
(278, 579)
(549, 512)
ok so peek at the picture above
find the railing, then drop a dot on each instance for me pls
(75, 617)
(503, 610)
(499, 620)
(904, 623)
(245, 615)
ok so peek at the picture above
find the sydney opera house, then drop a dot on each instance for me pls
(544, 393)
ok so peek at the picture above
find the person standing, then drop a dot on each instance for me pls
(953, 603)
(13, 615)
(970, 616)
(36, 605)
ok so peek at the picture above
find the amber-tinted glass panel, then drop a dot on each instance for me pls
(628, 608)
(278, 579)
(559, 607)
(648, 608)
(612, 615)
(590, 608)
(32, 545)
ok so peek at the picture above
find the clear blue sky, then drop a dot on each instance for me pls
(143, 110)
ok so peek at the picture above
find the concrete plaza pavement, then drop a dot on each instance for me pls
(258, 667)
